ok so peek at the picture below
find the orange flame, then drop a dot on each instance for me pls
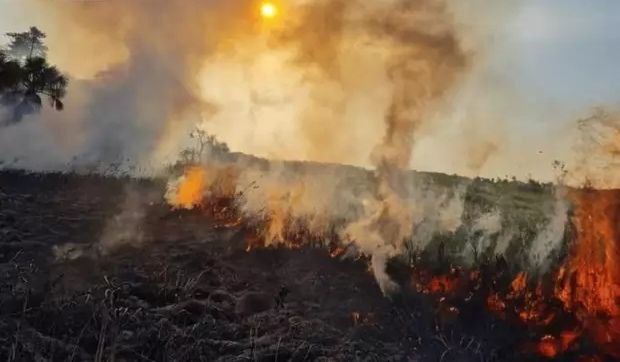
(550, 346)
(496, 304)
(337, 251)
(443, 284)
(191, 188)
(519, 283)
(424, 281)
(589, 283)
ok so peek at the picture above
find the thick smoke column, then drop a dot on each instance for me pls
(422, 66)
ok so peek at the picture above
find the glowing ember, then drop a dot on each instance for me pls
(567, 338)
(442, 284)
(550, 346)
(337, 251)
(496, 304)
(445, 284)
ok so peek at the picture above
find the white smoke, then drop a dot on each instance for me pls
(552, 236)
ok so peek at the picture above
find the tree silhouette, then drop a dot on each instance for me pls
(26, 77)
(10, 73)
(27, 45)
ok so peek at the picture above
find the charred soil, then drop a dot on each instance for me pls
(179, 286)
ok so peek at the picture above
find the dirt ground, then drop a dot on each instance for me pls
(100, 269)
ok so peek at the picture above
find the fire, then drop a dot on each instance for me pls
(567, 338)
(531, 305)
(583, 301)
(496, 304)
(519, 283)
(422, 281)
(550, 346)
(589, 283)
(337, 251)
(212, 191)
(190, 189)
(442, 284)
(359, 318)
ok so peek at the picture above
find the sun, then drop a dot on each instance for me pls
(268, 10)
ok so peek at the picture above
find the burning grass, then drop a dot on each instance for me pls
(573, 304)
(589, 282)
(141, 309)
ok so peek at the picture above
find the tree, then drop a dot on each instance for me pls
(27, 45)
(26, 77)
(208, 143)
(10, 73)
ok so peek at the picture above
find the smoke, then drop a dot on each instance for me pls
(408, 52)
(486, 227)
(322, 203)
(417, 61)
(490, 223)
(309, 85)
(435, 212)
(422, 67)
(140, 110)
(352, 82)
(314, 84)
(479, 155)
(551, 237)
(594, 162)
(125, 228)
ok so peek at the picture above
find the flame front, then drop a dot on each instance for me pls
(589, 283)
(583, 302)
(190, 189)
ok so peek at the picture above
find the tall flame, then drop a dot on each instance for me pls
(589, 283)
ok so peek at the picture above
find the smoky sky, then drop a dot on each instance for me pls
(144, 73)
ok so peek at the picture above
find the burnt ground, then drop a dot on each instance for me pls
(181, 287)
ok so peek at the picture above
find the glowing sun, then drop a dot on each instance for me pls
(268, 10)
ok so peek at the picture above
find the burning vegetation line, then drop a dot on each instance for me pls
(568, 304)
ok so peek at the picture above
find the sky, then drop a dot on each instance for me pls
(568, 51)
(548, 63)
(555, 60)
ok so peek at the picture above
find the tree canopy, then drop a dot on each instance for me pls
(27, 45)
(26, 77)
